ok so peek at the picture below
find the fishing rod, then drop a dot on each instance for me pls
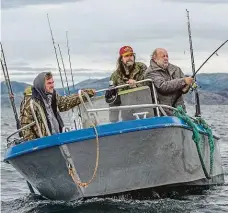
(53, 42)
(194, 86)
(64, 69)
(12, 101)
(9, 87)
(197, 102)
(68, 48)
(209, 57)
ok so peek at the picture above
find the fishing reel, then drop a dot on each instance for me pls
(111, 95)
(193, 87)
(190, 88)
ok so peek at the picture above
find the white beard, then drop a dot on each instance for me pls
(162, 65)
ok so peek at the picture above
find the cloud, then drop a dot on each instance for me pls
(199, 1)
(42, 69)
(6, 4)
(28, 74)
(98, 28)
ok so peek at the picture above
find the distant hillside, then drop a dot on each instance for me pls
(17, 87)
(223, 92)
(207, 98)
(214, 82)
(89, 83)
(213, 89)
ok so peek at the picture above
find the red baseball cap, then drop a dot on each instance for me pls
(125, 50)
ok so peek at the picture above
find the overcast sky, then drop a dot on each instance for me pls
(98, 28)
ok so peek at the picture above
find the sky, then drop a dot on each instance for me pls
(98, 28)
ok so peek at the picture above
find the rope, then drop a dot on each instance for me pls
(72, 171)
(210, 141)
(180, 113)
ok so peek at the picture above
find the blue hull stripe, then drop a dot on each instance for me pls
(103, 130)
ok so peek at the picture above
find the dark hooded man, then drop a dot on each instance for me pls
(44, 94)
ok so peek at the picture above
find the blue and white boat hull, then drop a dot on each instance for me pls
(133, 155)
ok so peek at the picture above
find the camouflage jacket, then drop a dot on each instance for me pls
(62, 103)
(137, 74)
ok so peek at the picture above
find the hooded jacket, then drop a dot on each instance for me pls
(50, 108)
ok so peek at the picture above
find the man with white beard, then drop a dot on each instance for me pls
(169, 80)
(128, 71)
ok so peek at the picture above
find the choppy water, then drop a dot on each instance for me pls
(15, 196)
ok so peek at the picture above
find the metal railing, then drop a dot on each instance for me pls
(139, 82)
(126, 107)
(95, 115)
(92, 112)
(19, 130)
(159, 107)
(43, 117)
(32, 103)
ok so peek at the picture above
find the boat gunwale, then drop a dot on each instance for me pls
(104, 130)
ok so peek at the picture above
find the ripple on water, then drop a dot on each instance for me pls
(15, 197)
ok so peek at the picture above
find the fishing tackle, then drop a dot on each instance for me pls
(53, 42)
(12, 101)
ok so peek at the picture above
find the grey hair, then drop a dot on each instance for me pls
(154, 53)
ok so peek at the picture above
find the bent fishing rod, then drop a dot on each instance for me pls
(198, 112)
(209, 58)
(12, 101)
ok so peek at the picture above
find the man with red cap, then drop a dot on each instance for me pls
(128, 71)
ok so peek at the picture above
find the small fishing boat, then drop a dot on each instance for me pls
(143, 149)
(132, 147)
